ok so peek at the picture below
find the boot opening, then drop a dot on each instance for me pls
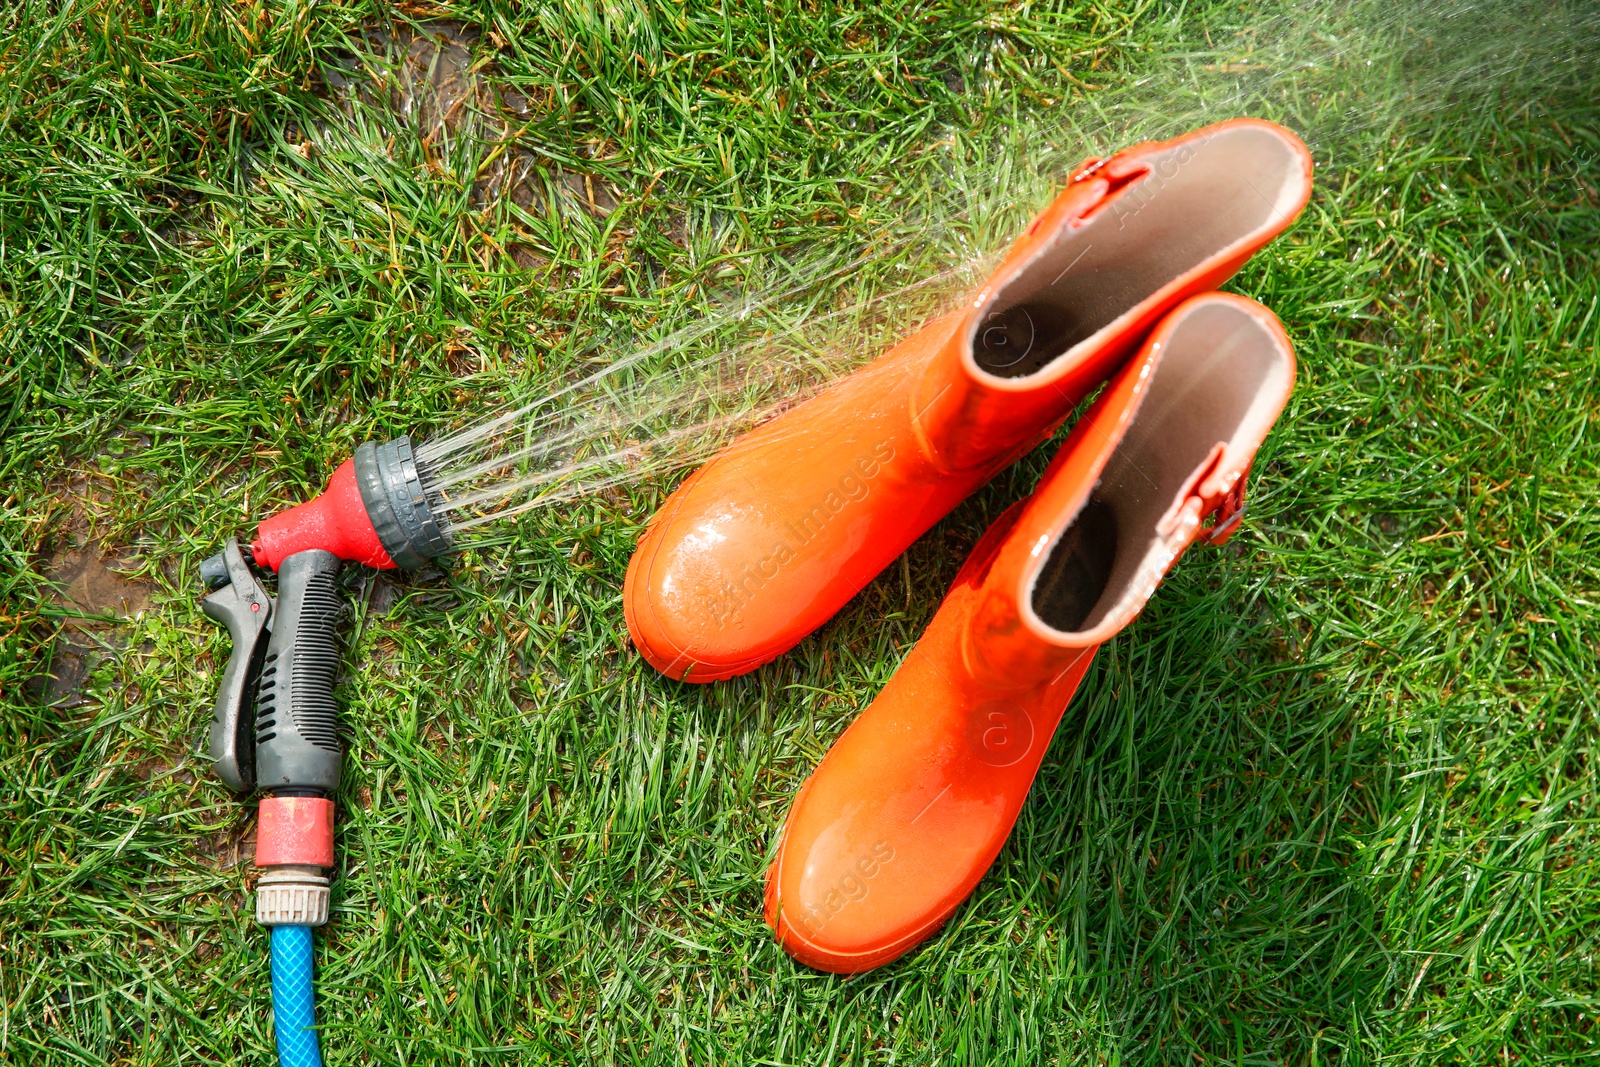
(1079, 568)
(1222, 378)
(1197, 200)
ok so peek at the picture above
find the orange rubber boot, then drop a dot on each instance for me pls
(772, 536)
(912, 804)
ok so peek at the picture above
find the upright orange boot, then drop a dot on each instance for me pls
(912, 804)
(772, 536)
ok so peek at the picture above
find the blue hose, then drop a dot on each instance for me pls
(292, 1016)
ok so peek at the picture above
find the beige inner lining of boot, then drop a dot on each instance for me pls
(1221, 380)
(1199, 199)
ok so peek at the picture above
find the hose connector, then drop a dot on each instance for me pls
(294, 849)
(293, 895)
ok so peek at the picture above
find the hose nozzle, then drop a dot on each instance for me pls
(274, 717)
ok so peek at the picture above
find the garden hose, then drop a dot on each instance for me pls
(293, 1018)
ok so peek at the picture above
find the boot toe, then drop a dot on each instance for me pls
(682, 609)
(677, 640)
(900, 822)
(681, 650)
(857, 885)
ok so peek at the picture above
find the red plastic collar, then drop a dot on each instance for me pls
(295, 830)
(336, 522)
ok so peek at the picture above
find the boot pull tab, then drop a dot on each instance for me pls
(1230, 512)
(1084, 171)
(1226, 512)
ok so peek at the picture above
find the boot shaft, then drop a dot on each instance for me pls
(1167, 446)
(1094, 272)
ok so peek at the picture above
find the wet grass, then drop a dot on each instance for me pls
(1331, 800)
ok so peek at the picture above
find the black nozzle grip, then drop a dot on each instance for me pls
(297, 741)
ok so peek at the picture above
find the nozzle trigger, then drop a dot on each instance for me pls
(242, 605)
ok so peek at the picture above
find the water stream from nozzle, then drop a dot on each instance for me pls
(641, 414)
(1354, 79)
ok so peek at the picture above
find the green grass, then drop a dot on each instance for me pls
(1332, 799)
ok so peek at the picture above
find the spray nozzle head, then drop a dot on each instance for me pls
(401, 506)
(378, 509)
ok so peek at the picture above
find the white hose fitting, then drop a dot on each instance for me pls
(292, 895)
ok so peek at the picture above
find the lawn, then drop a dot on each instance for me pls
(1332, 799)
